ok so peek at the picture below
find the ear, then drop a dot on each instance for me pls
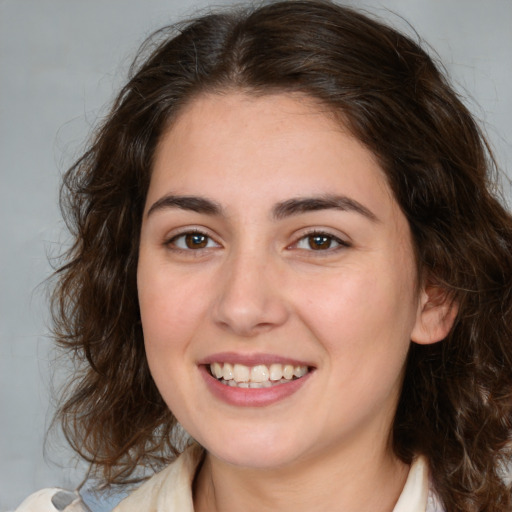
(436, 314)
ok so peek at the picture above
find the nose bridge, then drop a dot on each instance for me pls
(249, 298)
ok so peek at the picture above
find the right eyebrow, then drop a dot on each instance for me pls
(190, 203)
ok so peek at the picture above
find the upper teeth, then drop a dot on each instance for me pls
(259, 373)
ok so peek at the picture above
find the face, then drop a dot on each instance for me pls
(276, 280)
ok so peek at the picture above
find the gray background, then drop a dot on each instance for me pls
(60, 63)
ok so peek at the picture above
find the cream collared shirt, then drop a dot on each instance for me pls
(171, 489)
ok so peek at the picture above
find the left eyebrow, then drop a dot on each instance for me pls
(300, 205)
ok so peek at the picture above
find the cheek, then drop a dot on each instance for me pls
(362, 317)
(169, 317)
(169, 323)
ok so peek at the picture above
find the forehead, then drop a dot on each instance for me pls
(278, 145)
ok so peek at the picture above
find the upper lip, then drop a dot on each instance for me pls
(251, 359)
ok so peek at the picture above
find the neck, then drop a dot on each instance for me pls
(332, 482)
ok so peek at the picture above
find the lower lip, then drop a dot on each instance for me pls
(252, 397)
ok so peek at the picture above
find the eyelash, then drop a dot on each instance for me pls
(307, 238)
(195, 232)
(330, 238)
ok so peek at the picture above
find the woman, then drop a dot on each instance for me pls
(286, 240)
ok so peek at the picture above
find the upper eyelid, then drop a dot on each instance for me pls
(173, 233)
(168, 238)
(342, 244)
(302, 233)
(342, 238)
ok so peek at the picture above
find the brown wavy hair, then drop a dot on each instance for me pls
(455, 406)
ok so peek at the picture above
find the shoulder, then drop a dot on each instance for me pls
(169, 490)
(53, 500)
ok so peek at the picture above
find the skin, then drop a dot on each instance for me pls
(259, 286)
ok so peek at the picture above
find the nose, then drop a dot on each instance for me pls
(251, 298)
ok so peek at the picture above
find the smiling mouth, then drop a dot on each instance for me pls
(258, 376)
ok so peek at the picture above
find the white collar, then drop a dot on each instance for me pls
(171, 489)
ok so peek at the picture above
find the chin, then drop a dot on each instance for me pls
(255, 450)
(257, 458)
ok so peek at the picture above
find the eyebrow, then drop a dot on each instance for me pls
(288, 208)
(191, 203)
(300, 205)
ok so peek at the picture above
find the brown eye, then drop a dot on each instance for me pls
(192, 241)
(196, 240)
(320, 242)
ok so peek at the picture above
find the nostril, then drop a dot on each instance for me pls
(62, 499)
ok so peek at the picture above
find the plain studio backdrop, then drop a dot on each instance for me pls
(61, 62)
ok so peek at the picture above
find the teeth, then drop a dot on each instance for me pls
(227, 371)
(276, 371)
(216, 370)
(265, 384)
(252, 385)
(241, 373)
(300, 371)
(258, 376)
(259, 373)
(288, 371)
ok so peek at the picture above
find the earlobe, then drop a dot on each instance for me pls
(436, 315)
